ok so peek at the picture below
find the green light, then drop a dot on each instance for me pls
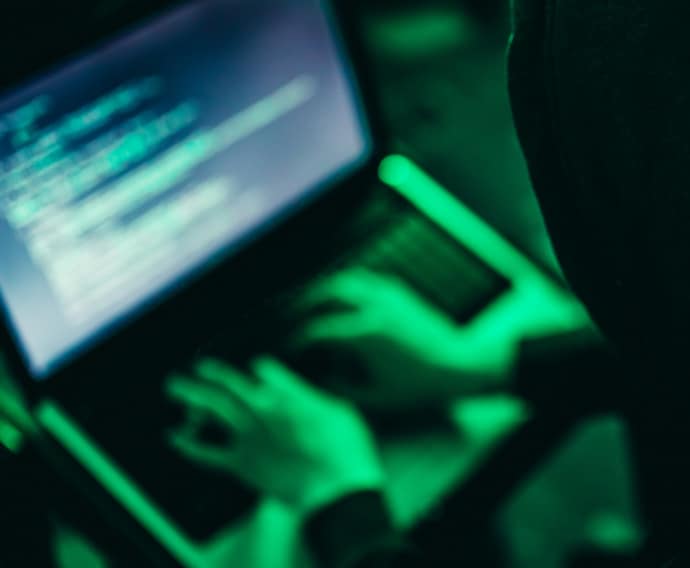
(396, 171)
(489, 418)
(73, 550)
(421, 32)
(536, 305)
(462, 223)
(614, 532)
(11, 438)
(53, 419)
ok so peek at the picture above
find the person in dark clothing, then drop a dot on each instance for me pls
(600, 99)
(601, 102)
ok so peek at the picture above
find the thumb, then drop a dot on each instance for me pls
(332, 330)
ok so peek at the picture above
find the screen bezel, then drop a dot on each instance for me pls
(190, 317)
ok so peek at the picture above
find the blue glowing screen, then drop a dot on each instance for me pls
(129, 169)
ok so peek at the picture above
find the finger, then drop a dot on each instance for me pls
(209, 401)
(334, 330)
(279, 377)
(350, 289)
(205, 455)
(233, 382)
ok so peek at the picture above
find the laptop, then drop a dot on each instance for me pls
(173, 175)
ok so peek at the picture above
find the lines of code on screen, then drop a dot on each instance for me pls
(128, 169)
(87, 209)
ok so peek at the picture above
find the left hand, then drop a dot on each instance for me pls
(409, 353)
(286, 438)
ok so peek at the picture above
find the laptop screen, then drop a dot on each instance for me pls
(129, 169)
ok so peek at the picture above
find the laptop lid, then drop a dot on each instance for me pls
(135, 169)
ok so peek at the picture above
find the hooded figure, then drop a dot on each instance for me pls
(601, 100)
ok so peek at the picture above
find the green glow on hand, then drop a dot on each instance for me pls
(55, 421)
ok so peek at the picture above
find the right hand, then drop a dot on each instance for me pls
(411, 353)
(284, 437)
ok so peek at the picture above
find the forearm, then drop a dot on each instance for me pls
(534, 368)
(577, 371)
(357, 532)
(475, 366)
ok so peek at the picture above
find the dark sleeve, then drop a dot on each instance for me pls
(576, 372)
(600, 97)
(357, 532)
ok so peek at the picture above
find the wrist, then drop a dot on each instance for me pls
(352, 529)
(326, 489)
(485, 361)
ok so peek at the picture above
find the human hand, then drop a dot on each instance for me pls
(411, 353)
(284, 437)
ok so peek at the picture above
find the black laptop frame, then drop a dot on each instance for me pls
(172, 332)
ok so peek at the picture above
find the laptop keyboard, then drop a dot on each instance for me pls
(438, 268)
